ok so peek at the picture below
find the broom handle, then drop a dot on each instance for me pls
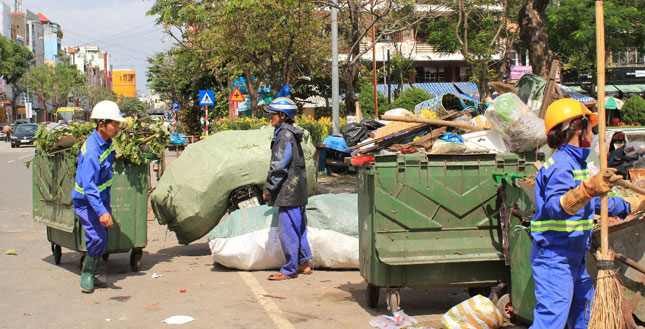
(600, 57)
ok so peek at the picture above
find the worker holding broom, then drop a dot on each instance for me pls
(286, 187)
(566, 199)
(91, 194)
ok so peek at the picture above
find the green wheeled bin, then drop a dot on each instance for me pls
(430, 221)
(53, 181)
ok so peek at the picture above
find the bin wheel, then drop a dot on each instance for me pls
(105, 257)
(372, 294)
(505, 307)
(393, 300)
(58, 253)
(135, 259)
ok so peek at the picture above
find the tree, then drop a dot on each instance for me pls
(356, 18)
(131, 106)
(264, 41)
(177, 76)
(410, 98)
(634, 110)
(366, 100)
(572, 32)
(56, 83)
(533, 33)
(14, 63)
(94, 94)
(479, 30)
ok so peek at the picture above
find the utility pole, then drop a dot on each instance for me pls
(335, 113)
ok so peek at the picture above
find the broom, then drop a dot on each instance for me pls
(608, 310)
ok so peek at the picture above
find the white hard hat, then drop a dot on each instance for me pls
(107, 110)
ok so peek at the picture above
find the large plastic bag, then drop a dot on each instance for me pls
(477, 312)
(248, 238)
(354, 133)
(193, 193)
(448, 143)
(521, 129)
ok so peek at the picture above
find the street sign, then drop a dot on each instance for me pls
(236, 96)
(174, 106)
(206, 98)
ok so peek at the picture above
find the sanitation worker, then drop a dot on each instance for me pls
(91, 195)
(286, 187)
(567, 197)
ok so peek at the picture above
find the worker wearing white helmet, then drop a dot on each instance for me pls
(91, 194)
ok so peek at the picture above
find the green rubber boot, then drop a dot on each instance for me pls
(98, 283)
(87, 275)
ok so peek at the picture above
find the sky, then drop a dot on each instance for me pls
(119, 26)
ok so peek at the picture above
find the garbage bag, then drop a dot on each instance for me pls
(248, 238)
(354, 133)
(193, 193)
(448, 143)
(477, 312)
(521, 129)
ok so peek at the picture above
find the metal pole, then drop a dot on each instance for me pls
(335, 113)
(389, 93)
(374, 63)
(206, 120)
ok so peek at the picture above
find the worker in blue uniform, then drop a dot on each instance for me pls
(91, 194)
(286, 187)
(567, 197)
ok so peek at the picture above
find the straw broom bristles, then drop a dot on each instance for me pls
(609, 310)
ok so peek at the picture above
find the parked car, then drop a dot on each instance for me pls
(24, 134)
(19, 122)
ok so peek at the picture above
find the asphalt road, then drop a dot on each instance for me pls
(36, 293)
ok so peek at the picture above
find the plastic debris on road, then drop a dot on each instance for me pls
(477, 312)
(179, 319)
(156, 276)
(398, 320)
(11, 252)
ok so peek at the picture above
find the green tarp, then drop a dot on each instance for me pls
(192, 195)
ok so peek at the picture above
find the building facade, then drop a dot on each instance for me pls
(5, 20)
(124, 83)
(93, 62)
(51, 40)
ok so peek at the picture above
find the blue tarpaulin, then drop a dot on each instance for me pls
(468, 88)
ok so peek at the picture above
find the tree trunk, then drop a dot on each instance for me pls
(351, 76)
(533, 33)
(252, 89)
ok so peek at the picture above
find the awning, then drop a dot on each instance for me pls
(436, 88)
(68, 109)
(468, 88)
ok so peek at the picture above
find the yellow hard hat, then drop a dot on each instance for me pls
(565, 109)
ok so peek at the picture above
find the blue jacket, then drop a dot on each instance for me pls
(551, 225)
(94, 173)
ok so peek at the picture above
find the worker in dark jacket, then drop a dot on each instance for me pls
(286, 187)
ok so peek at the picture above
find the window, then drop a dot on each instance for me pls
(464, 73)
(430, 74)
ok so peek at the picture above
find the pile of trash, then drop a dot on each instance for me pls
(215, 175)
(247, 239)
(507, 125)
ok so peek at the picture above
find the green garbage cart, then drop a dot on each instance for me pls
(430, 221)
(53, 181)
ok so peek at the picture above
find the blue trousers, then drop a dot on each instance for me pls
(96, 235)
(563, 288)
(293, 238)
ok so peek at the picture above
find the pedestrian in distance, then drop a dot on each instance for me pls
(566, 197)
(7, 133)
(91, 194)
(286, 187)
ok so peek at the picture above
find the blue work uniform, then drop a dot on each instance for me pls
(563, 288)
(287, 186)
(91, 193)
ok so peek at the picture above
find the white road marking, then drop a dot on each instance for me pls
(269, 306)
(24, 156)
(10, 161)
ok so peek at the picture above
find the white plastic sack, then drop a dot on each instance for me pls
(477, 312)
(522, 130)
(248, 238)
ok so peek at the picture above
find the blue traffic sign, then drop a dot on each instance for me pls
(206, 98)
(174, 106)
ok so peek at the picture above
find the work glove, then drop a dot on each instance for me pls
(597, 185)
(636, 202)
